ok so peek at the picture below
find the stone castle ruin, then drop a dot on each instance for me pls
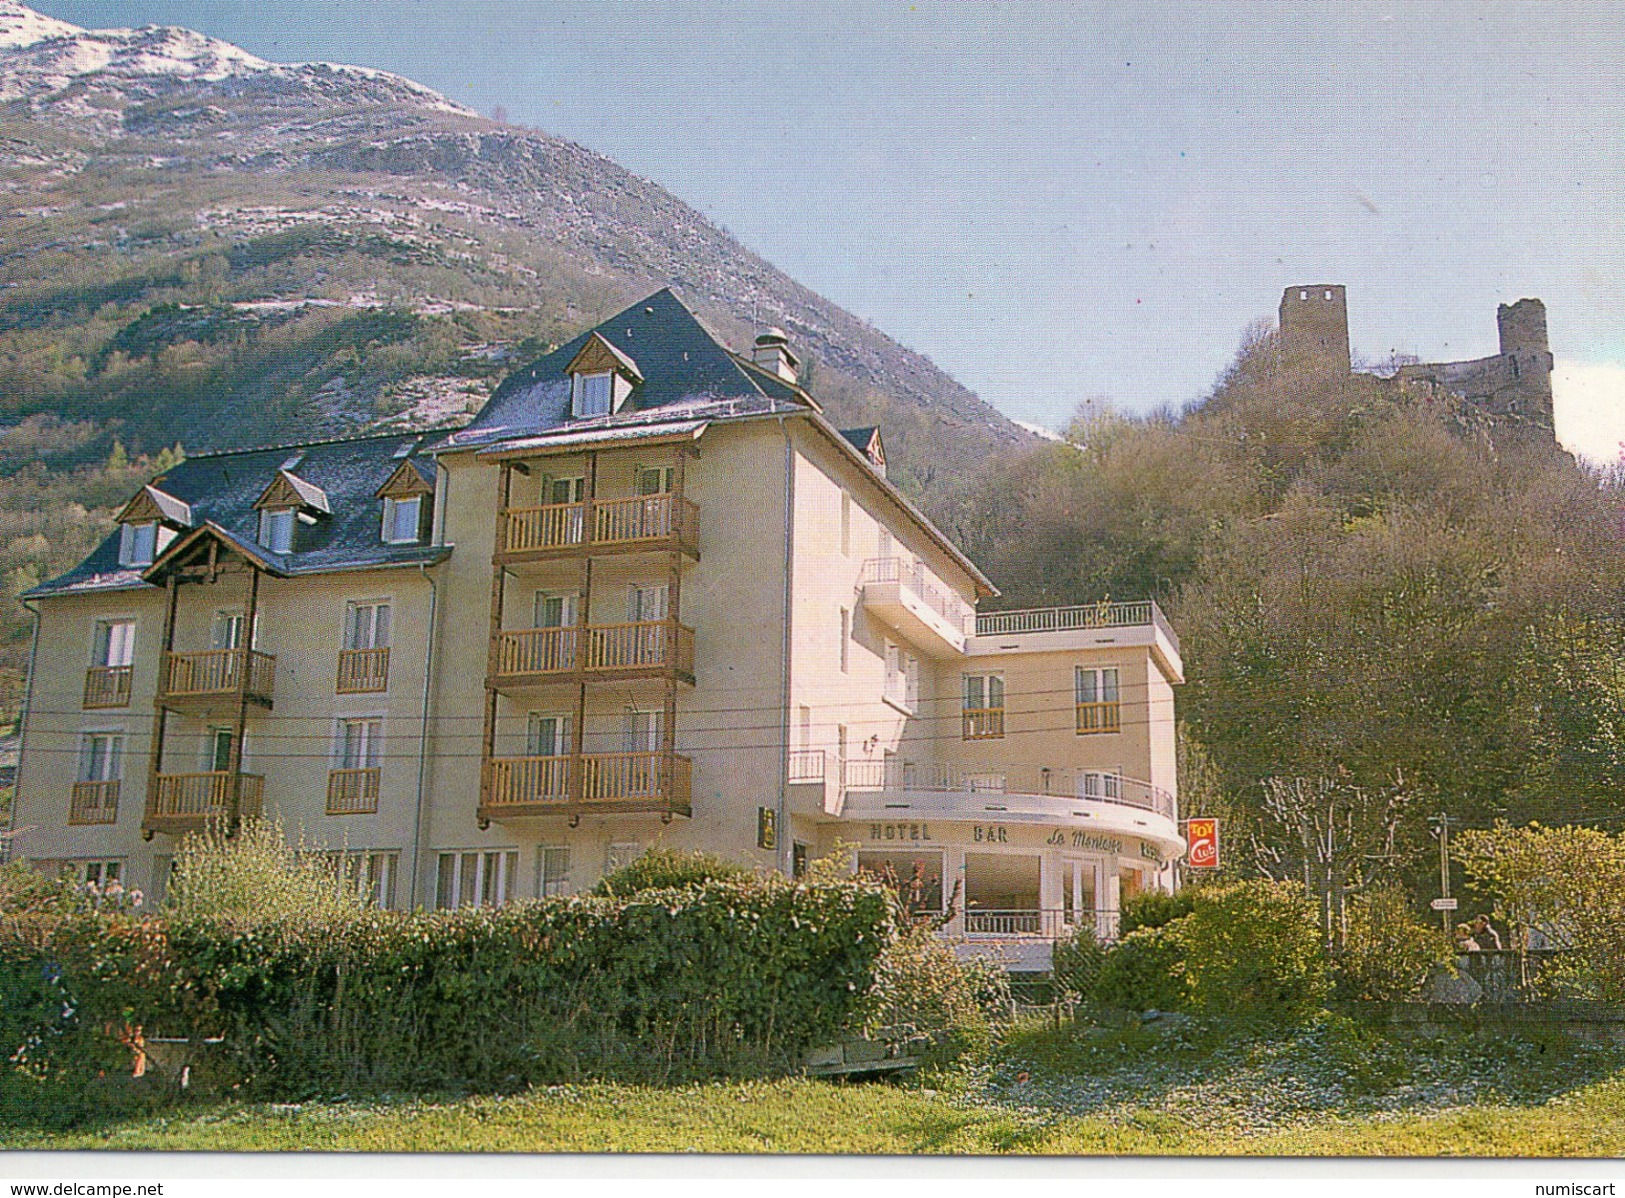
(1512, 389)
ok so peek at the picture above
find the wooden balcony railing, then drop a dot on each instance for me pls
(983, 723)
(649, 647)
(94, 802)
(219, 673)
(1099, 717)
(363, 671)
(650, 520)
(183, 802)
(353, 791)
(107, 686)
(606, 782)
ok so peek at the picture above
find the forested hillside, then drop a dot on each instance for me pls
(202, 250)
(1379, 597)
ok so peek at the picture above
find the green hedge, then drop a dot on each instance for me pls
(731, 977)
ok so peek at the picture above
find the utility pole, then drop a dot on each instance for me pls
(1441, 828)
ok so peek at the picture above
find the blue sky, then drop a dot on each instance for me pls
(1126, 186)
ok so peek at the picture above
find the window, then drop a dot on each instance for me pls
(916, 876)
(370, 874)
(114, 643)
(846, 636)
(549, 735)
(472, 878)
(902, 678)
(366, 626)
(591, 393)
(403, 520)
(564, 490)
(276, 529)
(552, 872)
(646, 604)
(1097, 700)
(643, 731)
(799, 855)
(983, 707)
(138, 544)
(97, 873)
(360, 744)
(226, 632)
(217, 744)
(100, 756)
(846, 524)
(1001, 894)
(556, 611)
(655, 480)
(1101, 784)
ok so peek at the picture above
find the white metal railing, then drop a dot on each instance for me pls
(924, 586)
(1062, 784)
(1039, 923)
(1105, 614)
(806, 765)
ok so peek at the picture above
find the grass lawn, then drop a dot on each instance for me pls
(1184, 1088)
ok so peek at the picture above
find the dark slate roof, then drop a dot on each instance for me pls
(687, 374)
(222, 488)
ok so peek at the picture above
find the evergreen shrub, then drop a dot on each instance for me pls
(1254, 949)
(662, 868)
(1142, 971)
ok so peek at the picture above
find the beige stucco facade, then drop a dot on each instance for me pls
(736, 637)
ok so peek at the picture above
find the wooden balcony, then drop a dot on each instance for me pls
(353, 791)
(107, 686)
(216, 678)
(594, 652)
(94, 803)
(186, 802)
(983, 723)
(363, 671)
(651, 522)
(591, 783)
(1099, 717)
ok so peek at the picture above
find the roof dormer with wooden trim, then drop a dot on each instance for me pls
(408, 499)
(601, 378)
(288, 502)
(867, 442)
(149, 522)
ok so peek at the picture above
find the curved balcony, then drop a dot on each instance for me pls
(659, 523)
(593, 652)
(587, 783)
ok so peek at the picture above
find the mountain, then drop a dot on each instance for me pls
(166, 193)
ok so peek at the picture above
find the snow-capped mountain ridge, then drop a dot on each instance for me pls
(52, 63)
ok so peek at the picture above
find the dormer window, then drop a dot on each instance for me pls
(149, 522)
(138, 544)
(601, 378)
(592, 394)
(276, 529)
(403, 520)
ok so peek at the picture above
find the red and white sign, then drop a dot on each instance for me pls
(1203, 835)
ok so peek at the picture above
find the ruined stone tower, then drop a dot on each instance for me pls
(1513, 388)
(1315, 330)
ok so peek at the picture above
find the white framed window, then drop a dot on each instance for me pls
(101, 756)
(370, 873)
(227, 629)
(642, 730)
(564, 490)
(846, 639)
(902, 677)
(982, 707)
(99, 873)
(403, 520)
(554, 610)
(552, 871)
(367, 625)
(1101, 784)
(549, 734)
(646, 604)
(358, 744)
(476, 878)
(138, 544)
(621, 854)
(592, 394)
(276, 529)
(114, 643)
(1097, 697)
(217, 744)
